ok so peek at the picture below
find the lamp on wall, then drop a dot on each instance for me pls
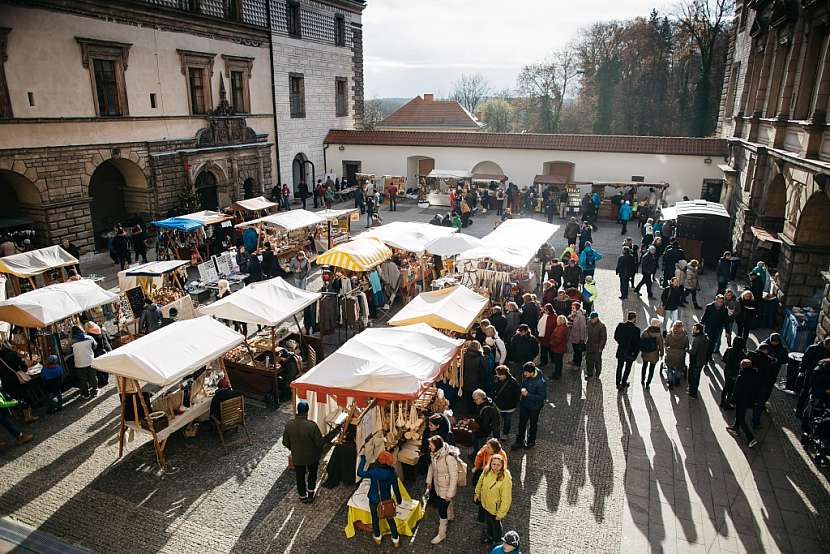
(341, 147)
(707, 160)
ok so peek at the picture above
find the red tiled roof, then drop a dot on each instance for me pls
(585, 143)
(430, 113)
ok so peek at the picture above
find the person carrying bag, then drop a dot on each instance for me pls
(384, 481)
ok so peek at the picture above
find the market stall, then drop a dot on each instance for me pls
(165, 358)
(45, 317)
(702, 229)
(440, 182)
(451, 309)
(645, 193)
(385, 379)
(505, 257)
(448, 248)
(190, 236)
(252, 208)
(288, 233)
(355, 283)
(338, 227)
(255, 366)
(161, 281)
(23, 270)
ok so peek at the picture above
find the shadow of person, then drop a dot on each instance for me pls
(600, 460)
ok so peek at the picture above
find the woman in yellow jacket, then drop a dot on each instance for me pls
(495, 493)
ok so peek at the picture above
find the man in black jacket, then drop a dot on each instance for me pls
(714, 322)
(627, 335)
(762, 364)
(506, 396)
(626, 268)
(725, 271)
(572, 275)
(744, 396)
(671, 256)
(812, 356)
(523, 346)
(648, 267)
(488, 419)
(498, 320)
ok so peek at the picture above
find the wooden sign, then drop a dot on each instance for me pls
(135, 300)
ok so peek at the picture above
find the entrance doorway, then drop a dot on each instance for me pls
(350, 171)
(711, 190)
(106, 189)
(298, 173)
(207, 191)
(248, 188)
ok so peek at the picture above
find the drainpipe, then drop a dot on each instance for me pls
(273, 92)
(325, 163)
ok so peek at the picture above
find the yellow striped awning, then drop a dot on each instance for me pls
(356, 255)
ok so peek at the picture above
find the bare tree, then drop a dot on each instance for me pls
(372, 114)
(469, 90)
(548, 84)
(704, 21)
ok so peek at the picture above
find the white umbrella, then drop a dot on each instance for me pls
(452, 245)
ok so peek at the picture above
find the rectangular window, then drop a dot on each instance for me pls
(341, 96)
(31, 96)
(106, 87)
(296, 94)
(238, 91)
(196, 78)
(810, 72)
(732, 89)
(153, 100)
(339, 30)
(292, 12)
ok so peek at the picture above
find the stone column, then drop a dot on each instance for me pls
(799, 278)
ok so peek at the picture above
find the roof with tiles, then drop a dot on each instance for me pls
(428, 112)
(586, 143)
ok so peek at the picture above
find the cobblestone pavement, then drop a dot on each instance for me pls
(645, 471)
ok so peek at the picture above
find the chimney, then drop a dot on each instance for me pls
(429, 97)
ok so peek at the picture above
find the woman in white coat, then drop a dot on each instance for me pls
(442, 481)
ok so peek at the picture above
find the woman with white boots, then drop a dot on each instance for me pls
(442, 481)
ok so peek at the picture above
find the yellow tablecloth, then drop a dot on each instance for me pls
(410, 512)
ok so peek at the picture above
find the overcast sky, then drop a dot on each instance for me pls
(413, 47)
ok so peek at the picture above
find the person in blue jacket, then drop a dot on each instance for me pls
(384, 481)
(534, 393)
(588, 259)
(510, 543)
(625, 215)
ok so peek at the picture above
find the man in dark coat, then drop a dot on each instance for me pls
(499, 321)
(698, 355)
(506, 396)
(626, 269)
(714, 322)
(488, 419)
(812, 356)
(572, 275)
(303, 438)
(725, 271)
(571, 231)
(648, 267)
(475, 367)
(763, 365)
(530, 312)
(523, 346)
(779, 355)
(671, 256)
(627, 335)
(744, 396)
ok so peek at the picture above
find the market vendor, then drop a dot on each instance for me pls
(224, 392)
(341, 466)
(16, 382)
(289, 370)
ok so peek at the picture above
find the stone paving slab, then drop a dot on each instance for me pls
(642, 472)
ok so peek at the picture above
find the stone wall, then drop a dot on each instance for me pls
(800, 274)
(824, 316)
(357, 62)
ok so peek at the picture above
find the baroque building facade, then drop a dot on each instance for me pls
(129, 110)
(774, 116)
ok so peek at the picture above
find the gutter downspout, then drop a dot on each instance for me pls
(273, 92)
(325, 163)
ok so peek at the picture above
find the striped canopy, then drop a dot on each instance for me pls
(356, 255)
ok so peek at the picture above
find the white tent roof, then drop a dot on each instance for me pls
(46, 305)
(170, 353)
(514, 242)
(254, 204)
(454, 309)
(290, 220)
(335, 214)
(694, 207)
(207, 217)
(450, 174)
(36, 262)
(393, 363)
(265, 303)
(452, 245)
(407, 235)
(153, 269)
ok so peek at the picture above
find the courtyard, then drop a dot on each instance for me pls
(643, 471)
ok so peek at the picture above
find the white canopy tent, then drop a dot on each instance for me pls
(170, 353)
(42, 307)
(393, 363)
(335, 214)
(207, 217)
(29, 264)
(515, 242)
(450, 174)
(454, 309)
(254, 204)
(265, 303)
(289, 221)
(452, 245)
(694, 207)
(408, 235)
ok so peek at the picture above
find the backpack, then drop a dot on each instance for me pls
(590, 259)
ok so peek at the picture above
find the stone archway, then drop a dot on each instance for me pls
(775, 205)
(806, 254)
(118, 194)
(21, 206)
(298, 173)
(417, 167)
(207, 190)
(248, 188)
(487, 168)
(811, 230)
(560, 169)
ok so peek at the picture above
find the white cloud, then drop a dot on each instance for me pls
(423, 46)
